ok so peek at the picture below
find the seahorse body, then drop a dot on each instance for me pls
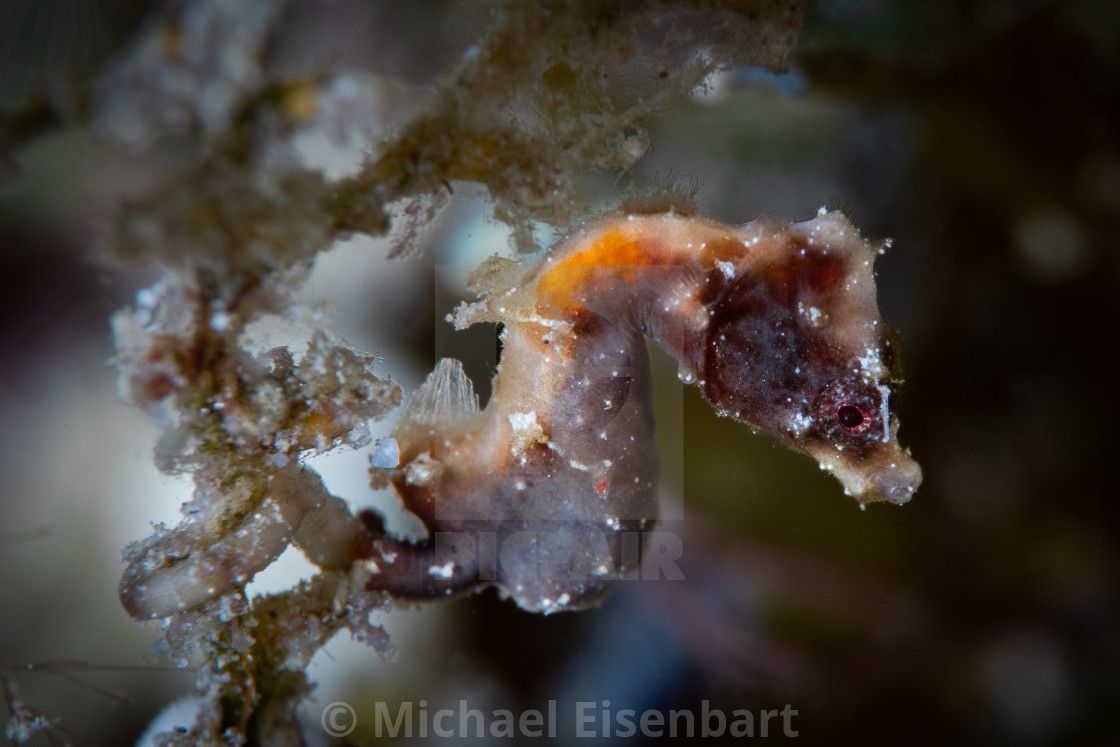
(545, 491)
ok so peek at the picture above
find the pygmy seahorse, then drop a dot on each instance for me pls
(546, 491)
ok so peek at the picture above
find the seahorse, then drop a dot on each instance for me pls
(548, 492)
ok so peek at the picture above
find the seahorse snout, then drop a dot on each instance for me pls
(894, 483)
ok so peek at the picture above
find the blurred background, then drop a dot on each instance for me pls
(982, 136)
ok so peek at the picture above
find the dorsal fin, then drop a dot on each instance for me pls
(445, 398)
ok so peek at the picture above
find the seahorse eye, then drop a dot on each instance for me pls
(849, 416)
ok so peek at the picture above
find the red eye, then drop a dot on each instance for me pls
(850, 416)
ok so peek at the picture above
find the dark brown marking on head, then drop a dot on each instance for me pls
(766, 349)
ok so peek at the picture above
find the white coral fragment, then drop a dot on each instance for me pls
(527, 432)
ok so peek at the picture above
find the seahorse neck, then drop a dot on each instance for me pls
(656, 274)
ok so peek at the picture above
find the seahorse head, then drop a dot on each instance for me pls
(795, 346)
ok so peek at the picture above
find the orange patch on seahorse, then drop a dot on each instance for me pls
(613, 256)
